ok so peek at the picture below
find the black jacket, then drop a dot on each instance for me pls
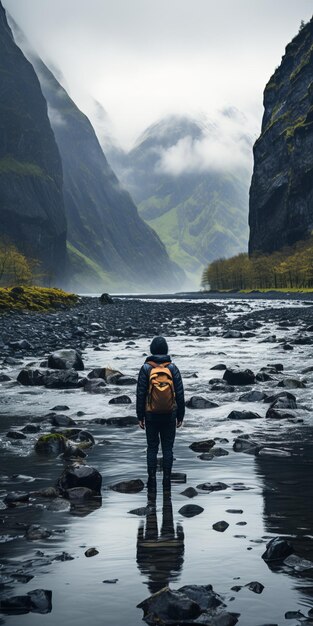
(143, 384)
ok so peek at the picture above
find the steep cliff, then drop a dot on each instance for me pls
(31, 203)
(281, 193)
(110, 246)
(200, 213)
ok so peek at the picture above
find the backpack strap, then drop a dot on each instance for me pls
(153, 364)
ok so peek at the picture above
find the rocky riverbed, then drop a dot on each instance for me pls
(79, 541)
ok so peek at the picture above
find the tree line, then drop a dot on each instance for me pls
(288, 268)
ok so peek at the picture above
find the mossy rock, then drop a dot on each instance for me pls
(34, 298)
(51, 444)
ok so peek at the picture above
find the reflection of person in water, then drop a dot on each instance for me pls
(160, 557)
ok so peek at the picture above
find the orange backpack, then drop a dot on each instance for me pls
(161, 394)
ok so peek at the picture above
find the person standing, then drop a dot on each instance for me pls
(160, 406)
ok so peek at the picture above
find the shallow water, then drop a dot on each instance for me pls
(278, 500)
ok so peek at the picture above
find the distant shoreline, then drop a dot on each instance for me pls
(223, 295)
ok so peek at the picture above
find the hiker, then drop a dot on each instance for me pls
(160, 408)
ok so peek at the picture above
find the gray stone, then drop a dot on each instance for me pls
(202, 446)
(128, 486)
(243, 415)
(220, 526)
(190, 492)
(277, 549)
(239, 377)
(65, 359)
(198, 402)
(190, 510)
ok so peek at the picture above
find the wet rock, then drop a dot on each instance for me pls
(4, 378)
(297, 563)
(31, 428)
(63, 379)
(208, 456)
(98, 372)
(287, 346)
(95, 385)
(232, 334)
(79, 494)
(274, 452)
(243, 415)
(263, 377)
(282, 395)
(51, 444)
(277, 549)
(16, 434)
(239, 377)
(198, 402)
(202, 446)
(277, 414)
(284, 403)
(128, 486)
(219, 619)
(62, 420)
(59, 505)
(222, 387)
(220, 526)
(111, 581)
(35, 532)
(64, 556)
(126, 380)
(166, 605)
(37, 601)
(237, 511)
(255, 586)
(119, 422)
(291, 383)
(79, 475)
(120, 400)
(30, 377)
(91, 552)
(105, 298)
(22, 344)
(111, 376)
(14, 497)
(190, 492)
(203, 595)
(66, 359)
(253, 396)
(307, 370)
(190, 510)
(212, 486)
(60, 407)
(294, 615)
(219, 366)
(47, 492)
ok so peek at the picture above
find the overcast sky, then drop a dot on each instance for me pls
(143, 59)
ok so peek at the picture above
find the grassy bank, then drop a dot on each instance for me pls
(34, 298)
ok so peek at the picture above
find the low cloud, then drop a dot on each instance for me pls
(225, 145)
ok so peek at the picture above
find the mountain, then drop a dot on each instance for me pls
(281, 194)
(197, 206)
(110, 246)
(31, 203)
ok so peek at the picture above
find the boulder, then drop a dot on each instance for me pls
(120, 400)
(246, 445)
(14, 497)
(98, 372)
(198, 402)
(79, 475)
(282, 394)
(255, 586)
(95, 385)
(239, 377)
(273, 413)
(220, 526)
(4, 378)
(277, 549)
(36, 601)
(190, 492)
(167, 606)
(253, 396)
(128, 486)
(126, 380)
(190, 510)
(16, 434)
(105, 298)
(219, 366)
(62, 380)
(66, 359)
(291, 383)
(62, 420)
(203, 595)
(51, 444)
(30, 377)
(243, 415)
(202, 446)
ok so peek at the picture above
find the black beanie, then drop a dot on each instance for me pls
(158, 345)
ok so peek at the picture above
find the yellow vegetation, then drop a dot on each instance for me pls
(289, 268)
(34, 298)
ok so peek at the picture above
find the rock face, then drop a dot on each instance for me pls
(31, 203)
(281, 194)
(108, 242)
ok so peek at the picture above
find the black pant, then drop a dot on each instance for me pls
(160, 427)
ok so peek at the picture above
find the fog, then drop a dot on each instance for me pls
(142, 59)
